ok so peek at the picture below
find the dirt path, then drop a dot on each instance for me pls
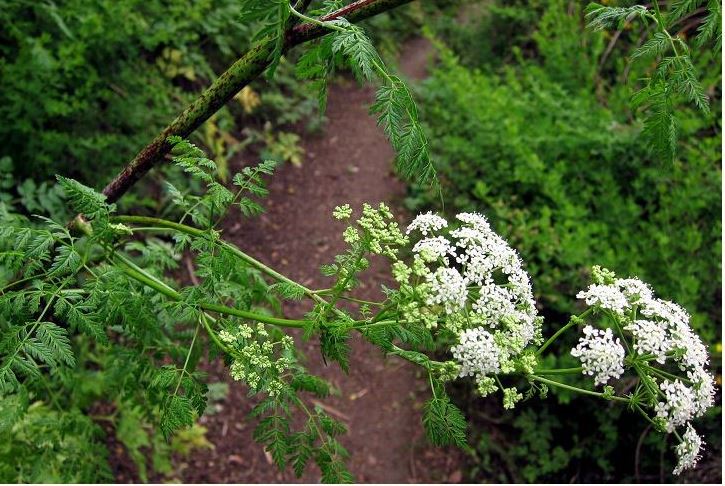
(381, 399)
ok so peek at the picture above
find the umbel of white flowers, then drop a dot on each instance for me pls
(661, 336)
(471, 283)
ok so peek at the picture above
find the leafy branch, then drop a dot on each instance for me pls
(674, 76)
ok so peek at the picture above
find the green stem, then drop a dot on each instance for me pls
(133, 271)
(190, 230)
(210, 332)
(22, 280)
(561, 371)
(558, 333)
(361, 301)
(576, 389)
(666, 374)
(186, 361)
(327, 25)
(644, 414)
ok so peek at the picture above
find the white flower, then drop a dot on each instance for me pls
(634, 289)
(606, 297)
(695, 352)
(494, 303)
(447, 288)
(688, 451)
(601, 355)
(475, 220)
(427, 223)
(431, 249)
(679, 405)
(477, 353)
(650, 337)
(703, 390)
(668, 311)
(473, 255)
(468, 237)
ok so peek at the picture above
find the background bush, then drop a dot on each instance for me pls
(87, 84)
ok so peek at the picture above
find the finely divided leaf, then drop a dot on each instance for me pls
(82, 198)
(600, 17)
(444, 423)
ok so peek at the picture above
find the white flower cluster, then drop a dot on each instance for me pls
(472, 283)
(661, 333)
(688, 451)
(477, 353)
(427, 223)
(679, 405)
(602, 355)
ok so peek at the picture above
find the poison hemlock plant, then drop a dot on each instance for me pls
(92, 314)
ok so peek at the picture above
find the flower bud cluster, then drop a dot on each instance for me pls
(257, 359)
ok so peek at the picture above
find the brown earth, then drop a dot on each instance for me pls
(381, 399)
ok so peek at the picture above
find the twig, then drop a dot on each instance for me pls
(331, 410)
(637, 452)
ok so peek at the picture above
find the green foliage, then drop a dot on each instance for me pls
(90, 305)
(444, 423)
(100, 87)
(394, 105)
(602, 17)
(314, 440)
(675, 75)
(273, 16)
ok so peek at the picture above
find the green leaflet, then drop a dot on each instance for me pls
(444, 423)
(176, 412)
(600, 17)
(394, 104)
(273, 16)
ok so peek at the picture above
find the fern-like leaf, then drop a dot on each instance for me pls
(55, 339)
(444, 423)
(712, 26)
(177, 413)
(656, 46)
(356, 47)
(66, 261)
(273, 16)
(600, 17)
(82, 198)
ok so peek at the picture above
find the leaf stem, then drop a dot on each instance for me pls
(561, 371)
(572, 322)
(133, 271)
(576, 389)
